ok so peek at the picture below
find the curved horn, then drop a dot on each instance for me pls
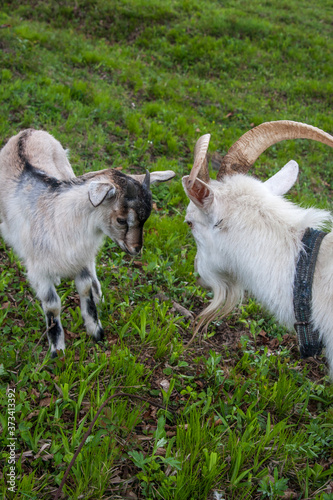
(249, 147)
(200, 165)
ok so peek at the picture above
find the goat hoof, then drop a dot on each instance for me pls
(54, 354)
(99, 335)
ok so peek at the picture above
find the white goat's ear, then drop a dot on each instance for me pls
(161, 176)
(284, 179)
(200, 193)
(99, 191)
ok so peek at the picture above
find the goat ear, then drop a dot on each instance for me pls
(284, 180)
(99, 191)
(161, 176)
(199, 192)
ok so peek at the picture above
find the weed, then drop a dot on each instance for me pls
(273, 488)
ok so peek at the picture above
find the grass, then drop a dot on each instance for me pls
(132, 84)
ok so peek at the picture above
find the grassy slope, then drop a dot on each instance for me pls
(133, 84)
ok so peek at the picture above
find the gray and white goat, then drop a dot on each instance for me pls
(56, 222)
(249, 237)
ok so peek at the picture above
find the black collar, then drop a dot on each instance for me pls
(308, 339)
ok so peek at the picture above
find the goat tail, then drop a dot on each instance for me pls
(226, 296)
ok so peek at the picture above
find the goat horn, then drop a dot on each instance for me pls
(200, 165)
(249, 147)
(146, 180)
(131, 191)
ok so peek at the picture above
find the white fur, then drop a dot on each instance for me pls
(56, 222)
(249, 237)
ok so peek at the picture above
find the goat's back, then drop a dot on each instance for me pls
(40, 149)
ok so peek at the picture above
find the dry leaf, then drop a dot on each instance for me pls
(45, 445)
(71, 335)
(116, 480)
(144, 438)
(33, 414)
(46, 401)
(34, 392)
(165, 384)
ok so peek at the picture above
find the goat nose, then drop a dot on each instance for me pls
(137, 249)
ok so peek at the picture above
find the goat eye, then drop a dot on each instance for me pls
(189, 223)
(122, 222)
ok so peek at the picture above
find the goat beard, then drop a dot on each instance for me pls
(227, 293)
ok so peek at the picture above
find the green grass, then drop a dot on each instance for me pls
(132, 84)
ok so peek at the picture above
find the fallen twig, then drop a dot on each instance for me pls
(181, 309)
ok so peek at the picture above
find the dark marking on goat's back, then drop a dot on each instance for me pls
(28, 170)
(55, 185)
(22, 143)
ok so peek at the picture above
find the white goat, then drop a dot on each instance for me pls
(56, 222)
(249, 237)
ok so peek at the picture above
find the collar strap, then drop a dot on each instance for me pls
(308, 339)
